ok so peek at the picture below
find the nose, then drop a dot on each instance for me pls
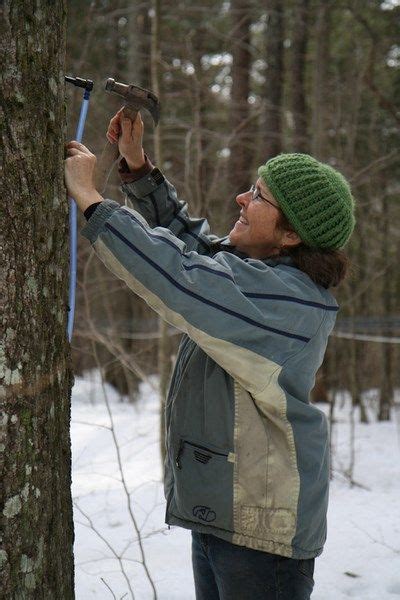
(243, 199)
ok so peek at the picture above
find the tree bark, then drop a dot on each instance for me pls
(36, 378)
(273, 91)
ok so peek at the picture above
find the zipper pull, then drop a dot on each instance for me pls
(178, 456)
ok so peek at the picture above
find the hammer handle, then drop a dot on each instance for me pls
(109, 156)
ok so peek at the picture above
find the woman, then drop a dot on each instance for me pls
(247, 465)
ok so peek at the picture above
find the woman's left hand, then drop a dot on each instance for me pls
(79, 175)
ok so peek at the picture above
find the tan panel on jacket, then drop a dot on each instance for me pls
(265, 491)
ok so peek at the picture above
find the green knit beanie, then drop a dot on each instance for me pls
(315, 199)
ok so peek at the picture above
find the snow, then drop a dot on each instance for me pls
(361, 558)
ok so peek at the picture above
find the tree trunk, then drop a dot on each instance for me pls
(37, 526)
(273, 91)
(387, 391)
(114, 371)
(164, 363)
(321, 87)
(139, 36)
(300, 141)
(240, 155)
(362, 257)
(199, 178)
(319, 393)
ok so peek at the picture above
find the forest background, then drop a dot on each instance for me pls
(240, 82)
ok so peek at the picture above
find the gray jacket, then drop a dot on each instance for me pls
(247, 454)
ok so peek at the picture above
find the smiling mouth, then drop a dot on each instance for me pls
(243, 220)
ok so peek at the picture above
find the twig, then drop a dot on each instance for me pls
(106, 584)
(382, 543)
(381, 162)
(101, 536)
(347, 477)
(112, 346)
(117, 448)
(91, 424)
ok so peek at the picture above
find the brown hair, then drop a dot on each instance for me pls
(325, 267)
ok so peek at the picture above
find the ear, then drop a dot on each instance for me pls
(291, 238)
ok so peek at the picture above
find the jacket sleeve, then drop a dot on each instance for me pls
(156, 200)
(200, 295)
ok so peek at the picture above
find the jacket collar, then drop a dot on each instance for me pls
(224, 244)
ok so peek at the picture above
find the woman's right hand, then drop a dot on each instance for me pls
(128, 135)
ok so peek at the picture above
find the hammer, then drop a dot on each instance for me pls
(135, 99)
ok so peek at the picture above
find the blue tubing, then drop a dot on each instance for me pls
(73, 226)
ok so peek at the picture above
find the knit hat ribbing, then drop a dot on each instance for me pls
(315, 198)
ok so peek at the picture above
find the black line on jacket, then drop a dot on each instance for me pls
(290, 299)
(204, 268)
(197, 296)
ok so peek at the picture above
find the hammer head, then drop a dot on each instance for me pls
(136, 97)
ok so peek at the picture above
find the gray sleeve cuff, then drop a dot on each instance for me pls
(146, 185)
(100, 216)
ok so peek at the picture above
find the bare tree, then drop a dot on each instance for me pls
(240, 157)
(300, 142)
(321, 85)
(387, 363)
(164, 363)
(36, 379)
(273, 91)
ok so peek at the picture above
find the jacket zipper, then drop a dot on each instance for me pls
(181, 449)
(183, 357)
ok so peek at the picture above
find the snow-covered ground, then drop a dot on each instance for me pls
(362, 554)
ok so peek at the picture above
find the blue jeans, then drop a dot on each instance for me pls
(225, 571)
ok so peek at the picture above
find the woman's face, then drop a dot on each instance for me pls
(256, 232)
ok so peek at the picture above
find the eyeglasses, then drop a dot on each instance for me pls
(255, 193)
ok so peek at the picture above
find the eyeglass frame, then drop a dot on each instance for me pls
(258, 194)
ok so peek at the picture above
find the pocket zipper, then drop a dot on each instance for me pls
(181, 449)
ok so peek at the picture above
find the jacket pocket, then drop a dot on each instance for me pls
(203, 485)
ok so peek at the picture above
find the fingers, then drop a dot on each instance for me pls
(134, 129)
(138, 124)
(126, 129)
(73, 151)
(123, 126)
(120, 125)
(77, 146)
(114, 127)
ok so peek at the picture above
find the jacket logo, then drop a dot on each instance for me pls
(204, 513)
